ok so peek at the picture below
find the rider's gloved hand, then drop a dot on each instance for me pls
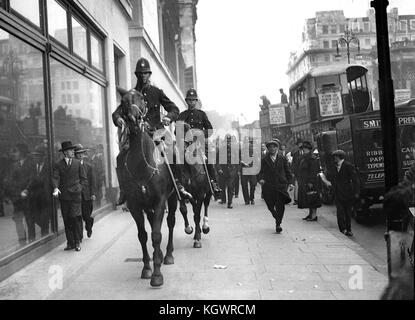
(166, 121)
(121, 122)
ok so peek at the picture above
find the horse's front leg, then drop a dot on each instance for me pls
(138, 216)
(171, 222)
(197, 208)
(206, 227)
(188, 229)
(157, 277)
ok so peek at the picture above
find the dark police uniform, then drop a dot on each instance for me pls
(154, 98)
(197, 119)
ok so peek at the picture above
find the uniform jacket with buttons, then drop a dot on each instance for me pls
(196, 119)
(154, 97)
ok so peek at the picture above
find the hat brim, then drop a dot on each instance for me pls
(70, 148)
(272, 143)
(81, 151)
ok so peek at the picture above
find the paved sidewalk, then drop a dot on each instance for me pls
(306, 261)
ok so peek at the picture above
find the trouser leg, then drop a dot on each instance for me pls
(348, 217)
(296, 191)
(252, 186)
(341, 217)
(65, 210)
(231, 189)
(270, 201)
(236, 185)
(280, 209)
(18, 216)
(87, 208)
(244, 185)
(30, 222)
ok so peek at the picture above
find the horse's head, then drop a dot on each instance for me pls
(135, 107)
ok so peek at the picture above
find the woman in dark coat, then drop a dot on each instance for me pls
(308, 186)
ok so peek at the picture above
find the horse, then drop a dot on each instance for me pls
(148, 189)
(199, 186)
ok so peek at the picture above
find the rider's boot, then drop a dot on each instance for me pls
(216, 189)
(177, 173)
(121, 178)
(122, 199)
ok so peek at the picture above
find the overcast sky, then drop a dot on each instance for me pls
(243, 47)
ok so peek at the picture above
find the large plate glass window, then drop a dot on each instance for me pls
(25, 185)
(97, 53)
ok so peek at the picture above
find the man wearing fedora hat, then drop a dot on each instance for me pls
(68, 180)
(198, 120)
(154, 99)
(275, 178)
(88, 190)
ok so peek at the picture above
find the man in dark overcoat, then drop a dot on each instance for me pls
(275, 178)
(17, 182)
(68, 180)
(39, 191)
(346, 190)
(89, 190)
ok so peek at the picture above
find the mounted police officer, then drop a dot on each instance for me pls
(197, 119)
(154, 98)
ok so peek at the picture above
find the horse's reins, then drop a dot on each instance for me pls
(155, 170)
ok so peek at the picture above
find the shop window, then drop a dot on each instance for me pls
(79, 127)
(23, 149)
(29, 9)
(79, 35)
(57, 22)
(97, 56)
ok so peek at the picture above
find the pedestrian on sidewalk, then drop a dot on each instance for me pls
(251, 180)
(68, 178)
(308, 183)
(296, 158)
(346, 189)
(275, 178)
(88, 190)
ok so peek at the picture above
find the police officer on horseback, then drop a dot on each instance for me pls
(154, 98)
(197, 119)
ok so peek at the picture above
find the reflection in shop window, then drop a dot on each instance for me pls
(28, 9)
(72, 121)
(96, 53)
(25, 192)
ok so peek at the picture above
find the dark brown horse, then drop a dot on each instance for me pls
(200, 189)
(149, 188)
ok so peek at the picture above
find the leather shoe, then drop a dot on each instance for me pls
(246, 202)
(89, 233)
(230, 206)
(349, 234)
(306, 218)
(253, 202)
(69, 248)
(278, 229)
(78, 248)
(311, 219)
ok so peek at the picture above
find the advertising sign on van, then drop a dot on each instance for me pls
(330, 99)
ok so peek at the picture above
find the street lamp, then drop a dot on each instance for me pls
(347, 39)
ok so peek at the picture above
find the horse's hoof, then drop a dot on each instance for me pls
(188, 230)
(157, 281)
(146, 274)
(206, 230)
(197, 244)
(168, 260)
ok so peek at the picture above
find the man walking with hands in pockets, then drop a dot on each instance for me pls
(275, 178)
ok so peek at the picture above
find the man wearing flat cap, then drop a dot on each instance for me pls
(346, 190)
(275, 178)
(88, 190)
(68, 180)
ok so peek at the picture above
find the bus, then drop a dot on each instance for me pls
(324, 95)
